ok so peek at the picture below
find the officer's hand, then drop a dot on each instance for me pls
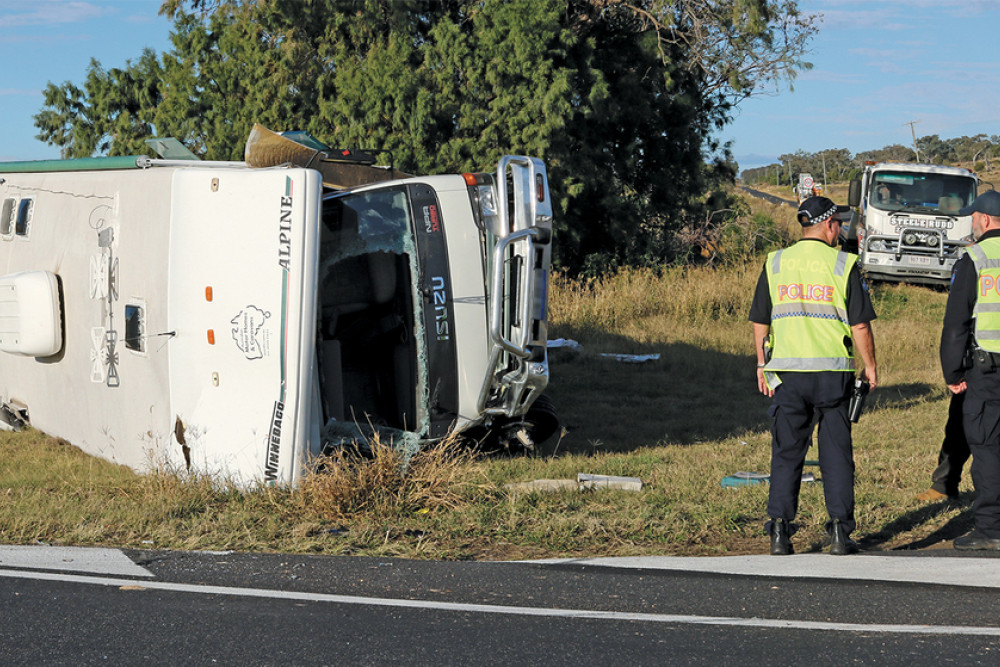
(762, 384)
(872, 376)
(958, 388)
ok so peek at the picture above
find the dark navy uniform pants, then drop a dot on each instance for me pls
(982, 430)
(800, 399)
(954, 450)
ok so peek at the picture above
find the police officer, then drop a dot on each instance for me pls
(972, 331)
(809, 311)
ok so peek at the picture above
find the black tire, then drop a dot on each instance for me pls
(542, 418)
(504, 437)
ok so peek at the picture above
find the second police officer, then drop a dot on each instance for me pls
(971, 332)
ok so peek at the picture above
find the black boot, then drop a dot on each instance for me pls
(781, 543)
(840, 543)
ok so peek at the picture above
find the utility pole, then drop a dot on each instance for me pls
(823, 155)
(913, 133)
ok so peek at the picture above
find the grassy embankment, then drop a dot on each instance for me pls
(680, 424)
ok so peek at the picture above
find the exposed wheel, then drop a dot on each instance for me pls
(520, 437)
(542, 420)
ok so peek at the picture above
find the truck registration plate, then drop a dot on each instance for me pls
(920, 259)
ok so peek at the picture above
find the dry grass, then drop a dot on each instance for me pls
(380, 483)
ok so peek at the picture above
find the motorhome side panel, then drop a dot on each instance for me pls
(103, 234)
(242, 304)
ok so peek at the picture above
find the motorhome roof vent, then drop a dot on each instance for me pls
(29, 314)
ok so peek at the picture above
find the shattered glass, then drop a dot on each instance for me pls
(360, 225)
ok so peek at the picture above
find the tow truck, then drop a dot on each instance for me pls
(905, 223)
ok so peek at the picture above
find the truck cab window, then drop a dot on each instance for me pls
(367, 347)
(930, 193)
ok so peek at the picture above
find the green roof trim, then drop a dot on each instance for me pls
(78, 164)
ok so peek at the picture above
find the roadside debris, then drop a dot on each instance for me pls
(541, 485)
(631, 358)
(743, 478)
(570, 344)
(608, 482)
(582, 482)
(566, 343)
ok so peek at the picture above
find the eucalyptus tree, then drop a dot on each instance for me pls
(622, 99)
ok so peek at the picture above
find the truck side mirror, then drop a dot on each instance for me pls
(854, 193)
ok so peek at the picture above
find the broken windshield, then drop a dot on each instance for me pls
(372, 221)
(370, 325)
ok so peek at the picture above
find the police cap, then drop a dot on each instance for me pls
(988, 203)
(814, 210)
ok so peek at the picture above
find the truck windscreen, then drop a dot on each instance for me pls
(367, 345)
(921, 192)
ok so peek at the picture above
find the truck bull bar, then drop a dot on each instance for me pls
(518, 368)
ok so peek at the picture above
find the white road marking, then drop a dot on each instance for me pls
(947, 570)
(132, 585)
(71, 559)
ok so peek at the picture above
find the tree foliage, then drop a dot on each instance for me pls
(735, 48)
(110, 114)
(621, 98)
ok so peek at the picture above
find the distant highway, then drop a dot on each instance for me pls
(768, 198)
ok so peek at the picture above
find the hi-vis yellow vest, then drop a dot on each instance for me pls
(809, 326)
(986, 257)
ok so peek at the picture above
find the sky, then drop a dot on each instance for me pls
(43, 41)
(878, 65)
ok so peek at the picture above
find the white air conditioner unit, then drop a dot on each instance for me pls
(30, 322)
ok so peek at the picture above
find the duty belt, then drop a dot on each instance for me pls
(985, 360)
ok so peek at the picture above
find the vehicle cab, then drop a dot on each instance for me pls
(906, 225)
(432, 300)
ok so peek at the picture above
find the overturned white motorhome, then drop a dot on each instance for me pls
(238, 320)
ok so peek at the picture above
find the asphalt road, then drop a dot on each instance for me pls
(769, 198)
(85, 606)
